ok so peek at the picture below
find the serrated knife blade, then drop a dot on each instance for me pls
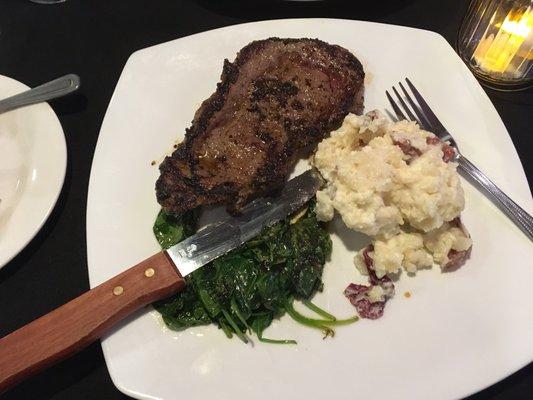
(219, 238)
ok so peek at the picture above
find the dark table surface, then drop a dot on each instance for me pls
(94, 40)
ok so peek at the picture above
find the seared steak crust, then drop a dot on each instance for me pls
(273, 104)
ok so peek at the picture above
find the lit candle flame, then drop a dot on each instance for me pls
(495, 53)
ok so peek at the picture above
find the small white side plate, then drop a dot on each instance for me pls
(33, 161)
(456, 334)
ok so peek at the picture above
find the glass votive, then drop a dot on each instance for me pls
(496, 40)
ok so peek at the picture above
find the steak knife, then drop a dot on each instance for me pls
(73, 326)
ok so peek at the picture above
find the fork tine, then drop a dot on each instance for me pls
(423, 122)
(395, 107)
(430, 115)
(407, 109)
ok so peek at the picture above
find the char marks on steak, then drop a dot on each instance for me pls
(274, 103)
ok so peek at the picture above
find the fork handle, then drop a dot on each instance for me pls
(516, 213)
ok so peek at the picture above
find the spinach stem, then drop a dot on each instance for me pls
(276, 341)
(313, 323)
(323, 324)
(346, 321)
(318, 310)
(237, 311)
(225, 328)
(232, 323)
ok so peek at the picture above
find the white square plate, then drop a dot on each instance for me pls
(458, 333)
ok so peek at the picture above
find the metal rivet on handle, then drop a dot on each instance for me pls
(149, 272)
(118, 290)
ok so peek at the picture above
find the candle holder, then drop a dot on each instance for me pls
(496, 40)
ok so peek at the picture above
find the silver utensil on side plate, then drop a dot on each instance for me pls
(427, 120)
(48, 91)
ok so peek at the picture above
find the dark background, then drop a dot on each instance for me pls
(94, 39)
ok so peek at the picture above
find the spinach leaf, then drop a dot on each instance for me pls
(180, 312)
(170, 229)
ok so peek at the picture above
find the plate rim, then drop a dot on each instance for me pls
(52, 201)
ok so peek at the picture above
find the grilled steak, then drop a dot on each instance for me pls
(274, 103)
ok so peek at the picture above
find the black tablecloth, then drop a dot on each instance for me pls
(94, 40)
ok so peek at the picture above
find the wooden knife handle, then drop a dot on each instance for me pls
(75, 325)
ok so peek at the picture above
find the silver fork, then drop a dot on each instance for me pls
(427, 120)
